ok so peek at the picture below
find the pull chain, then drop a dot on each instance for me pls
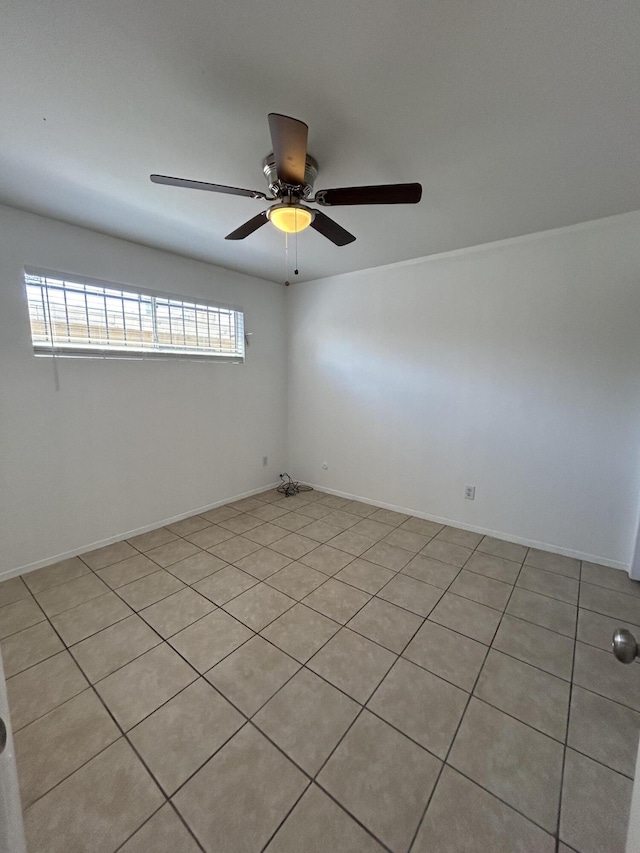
(286, 249)
(286, 259)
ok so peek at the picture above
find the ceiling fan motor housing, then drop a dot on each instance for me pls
(280, 189)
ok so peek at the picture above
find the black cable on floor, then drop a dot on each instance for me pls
(289, 487)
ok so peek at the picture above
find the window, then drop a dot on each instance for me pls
(72, 316)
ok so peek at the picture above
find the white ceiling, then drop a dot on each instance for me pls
(515, 115)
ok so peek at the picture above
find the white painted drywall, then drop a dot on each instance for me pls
(514, 367)
(635, 557)
(125, 445)
(633, 831)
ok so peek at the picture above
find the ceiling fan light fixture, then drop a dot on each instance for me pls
(290, 218)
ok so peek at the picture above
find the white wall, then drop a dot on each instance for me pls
(514, 367)
(125, 445)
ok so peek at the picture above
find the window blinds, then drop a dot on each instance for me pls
(70, 316)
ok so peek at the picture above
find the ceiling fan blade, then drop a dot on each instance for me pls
(248, 227)
(330, 229)
(379, 194)
(202, 185)
(289, 140)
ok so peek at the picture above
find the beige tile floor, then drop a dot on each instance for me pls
(315, 675)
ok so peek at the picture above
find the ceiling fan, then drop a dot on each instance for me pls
(291, 173)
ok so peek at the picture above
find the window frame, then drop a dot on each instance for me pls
(51, 348)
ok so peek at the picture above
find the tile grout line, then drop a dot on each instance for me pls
(175, 811)
(462, 717)
(247, 719)
(314, 781)
(292, 560)
(485, 701)
(363, 707)
(296, 601)
(123, 734)
(564, 751)
(163, 640)
(274, 744)
(300, 601)
(307, 787)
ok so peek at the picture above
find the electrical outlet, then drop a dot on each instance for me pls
(265, 461)
(470, 493)
(324, 466)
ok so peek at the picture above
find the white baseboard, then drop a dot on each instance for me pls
(48, 561)
(529, 543)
